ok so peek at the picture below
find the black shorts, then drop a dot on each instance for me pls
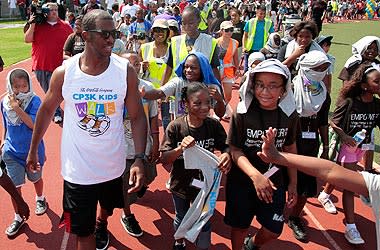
(307, 184)
(80, 203)
(242, 204)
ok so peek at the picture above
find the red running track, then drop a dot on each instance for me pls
(155, 212)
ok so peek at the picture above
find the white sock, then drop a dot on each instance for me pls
(40, 198)
(350, 226)
(324, 195)
(18, 217)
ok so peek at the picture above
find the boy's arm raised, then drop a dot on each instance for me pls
(45, 114)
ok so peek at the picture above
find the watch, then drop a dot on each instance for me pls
(141, 156)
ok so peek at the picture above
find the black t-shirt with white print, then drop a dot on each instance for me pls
(363, 115)
(211, 136)
(245, 133)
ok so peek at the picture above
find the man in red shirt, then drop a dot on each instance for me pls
(47, 41)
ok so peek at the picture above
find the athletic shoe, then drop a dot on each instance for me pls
(14, 227)
(101, 235)
(327, 204)
(41, 207)
(353, 236)
(248, 245)
(179, 246)
(57, 119)
(298, 228)
(131, 225)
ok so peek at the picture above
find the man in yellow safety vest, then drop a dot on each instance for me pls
(256, 32)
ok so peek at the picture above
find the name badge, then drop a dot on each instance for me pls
(368, 146)
(197, 183)
(309, 135)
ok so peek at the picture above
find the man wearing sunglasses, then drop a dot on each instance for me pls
(97, 87)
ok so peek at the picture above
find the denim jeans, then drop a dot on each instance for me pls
(165, 115)
(181, 206)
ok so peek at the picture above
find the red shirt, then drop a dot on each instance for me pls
(182, 5)
(47, 46)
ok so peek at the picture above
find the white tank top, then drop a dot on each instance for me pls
(93, 144)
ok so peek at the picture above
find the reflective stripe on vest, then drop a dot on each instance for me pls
(252, 31)
(203, 23)
(157, 66)
(180, 51)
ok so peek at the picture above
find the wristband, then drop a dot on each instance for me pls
(141, 156)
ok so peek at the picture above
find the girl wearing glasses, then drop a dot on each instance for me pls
(228, 55)
(255, 188)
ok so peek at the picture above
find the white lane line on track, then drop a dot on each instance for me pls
(322, 229)
(65, 240)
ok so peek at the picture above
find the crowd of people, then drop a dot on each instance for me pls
(120, 67)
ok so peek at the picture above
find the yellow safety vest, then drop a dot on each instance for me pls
(180, 51)
(252, 31)
(157, 66)
(204, 14)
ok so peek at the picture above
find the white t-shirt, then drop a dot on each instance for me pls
(116, 17)
(109, 4)
(372, 182)
(92, 147)
(129, 9)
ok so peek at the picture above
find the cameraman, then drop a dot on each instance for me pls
(47, 40)
(139, 30)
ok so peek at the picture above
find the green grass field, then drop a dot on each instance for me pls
(345, 34)
(12, 46)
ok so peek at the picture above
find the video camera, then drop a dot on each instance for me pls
(40, 11)
(140, 36)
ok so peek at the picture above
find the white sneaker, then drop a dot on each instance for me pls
(327, 204)
(353, 236)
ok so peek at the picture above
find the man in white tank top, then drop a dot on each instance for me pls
(96, 87)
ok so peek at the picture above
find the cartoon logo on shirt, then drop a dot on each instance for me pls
(314, 87)
(94, 116)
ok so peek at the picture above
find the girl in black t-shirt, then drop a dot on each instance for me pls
(363, 114)
(266, 101)
(196, 127)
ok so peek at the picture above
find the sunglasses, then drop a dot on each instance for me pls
(229, 29)
(105, 33)
(158, 30)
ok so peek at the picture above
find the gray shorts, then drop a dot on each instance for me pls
(17, 172)
(150, 173)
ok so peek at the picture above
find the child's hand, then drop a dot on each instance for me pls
(13, 101)
(145, 65)
(264, 188)
(142, 91)
(187, 142)
(269, 152)
(299, 51)
(214, 93)
(225, 163)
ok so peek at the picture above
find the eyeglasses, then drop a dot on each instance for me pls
(159, 30)
(271, 88)
(105, 33)
(229, 29)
